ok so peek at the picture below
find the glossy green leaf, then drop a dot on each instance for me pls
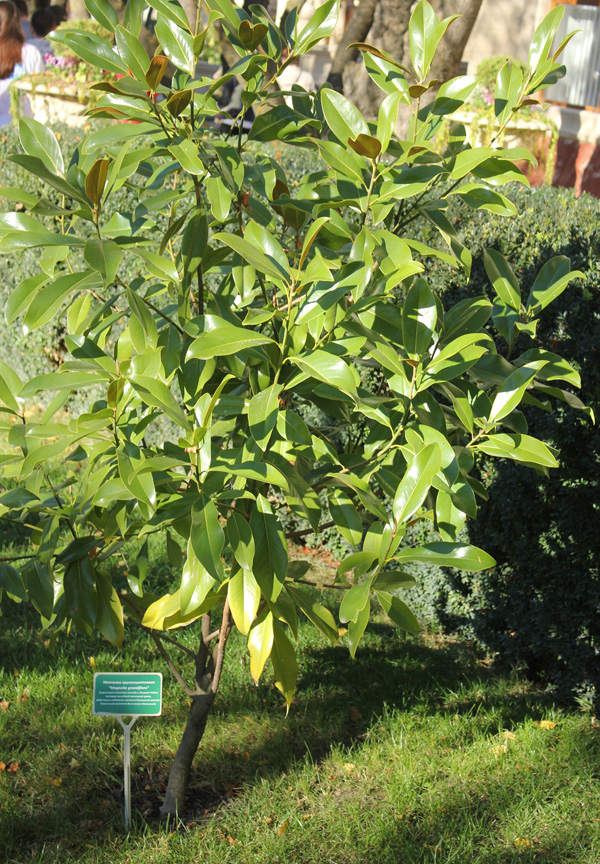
(550, 282)
(270, 556)
(48, 301)
(224, 341)
(260, 643)
(419, 317)
(543, 37)
(104, 256)
(458, 555)
(241, 540)
(425, 33)
(177, 44)
(207, 537)
(196, 582)
(285, 665)
(320, 25)
(520, 448)
(315, 612)
(39, 141)
(109, 612)
(357, 628)
(219, 196)
(355, 600)
(158, 395)
(343, 118)
(511, 392)
(80, 591)
(398, 612)
(253, 256)
(10, 387)
(12, 582)
(508, 90)
(262, 414)
(416, 482)
(172, 11)
(502, 277)
(346, 517)
(244, 599)
(40, 588)
(132, 52)
(329, 368)
(103, 13)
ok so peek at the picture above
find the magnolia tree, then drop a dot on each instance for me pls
(261, 304)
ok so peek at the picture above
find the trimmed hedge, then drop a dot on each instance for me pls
(540, 607)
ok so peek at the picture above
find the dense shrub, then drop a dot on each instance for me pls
(540, 607)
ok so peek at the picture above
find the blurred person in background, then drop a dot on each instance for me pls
(17, 57)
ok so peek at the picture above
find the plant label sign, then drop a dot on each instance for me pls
(131, 694)
(128, 694)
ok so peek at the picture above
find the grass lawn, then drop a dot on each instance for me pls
(415, 752)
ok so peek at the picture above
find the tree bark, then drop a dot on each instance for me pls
(78, 9)
(209, 667)
(389, 31)
(356, 31)
(179, 775)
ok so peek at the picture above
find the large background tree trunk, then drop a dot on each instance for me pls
(389, 31)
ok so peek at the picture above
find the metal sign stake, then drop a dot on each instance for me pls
(127, 694)
(127, 768)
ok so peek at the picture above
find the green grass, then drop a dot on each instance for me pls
(415, 752)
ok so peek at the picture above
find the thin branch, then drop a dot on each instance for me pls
(176, 673)
(316, 585)
(296, 535)
(162, 636)
(15, 558)
(219, 652)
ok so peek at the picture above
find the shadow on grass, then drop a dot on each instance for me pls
(248, 736)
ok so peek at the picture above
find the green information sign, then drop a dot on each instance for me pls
(128, 693)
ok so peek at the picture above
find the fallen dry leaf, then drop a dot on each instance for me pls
(547, 724)
(23, 697)
(283, 827)
(2, 767)
(498, 749)
(4, 705)
(510, 736)
(12, 767)
(523, 842)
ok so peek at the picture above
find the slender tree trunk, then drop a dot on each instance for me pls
(179, 775)
(209, 667)
(356, 31)
(78, 9)
(389, 31)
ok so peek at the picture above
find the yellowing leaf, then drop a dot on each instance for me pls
(510, 736)
(547, 724)
(93, 662)
(499, 749)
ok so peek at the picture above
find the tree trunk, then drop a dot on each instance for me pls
(78, 9)
(356, 31)
(389, 31)
(209, 667)
(179, 775)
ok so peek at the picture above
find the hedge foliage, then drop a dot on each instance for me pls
(540, 607)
